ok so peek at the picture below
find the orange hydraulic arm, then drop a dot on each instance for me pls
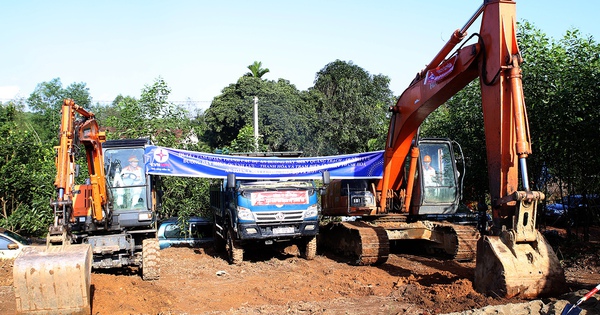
(496, 60)
(74, 132)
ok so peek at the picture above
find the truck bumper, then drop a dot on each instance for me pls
(254, 231)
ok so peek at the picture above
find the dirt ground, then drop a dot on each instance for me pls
(200, 281)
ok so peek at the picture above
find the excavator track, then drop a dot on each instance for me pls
(456, 241)
(464, 244)
(367, 244)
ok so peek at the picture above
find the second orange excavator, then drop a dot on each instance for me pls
(420, 176)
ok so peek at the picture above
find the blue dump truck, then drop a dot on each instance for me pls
(264, 212)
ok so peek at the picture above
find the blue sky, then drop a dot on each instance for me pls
(200, 47)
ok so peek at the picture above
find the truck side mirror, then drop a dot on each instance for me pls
(326, 178)
(230, 180)
(326, 182)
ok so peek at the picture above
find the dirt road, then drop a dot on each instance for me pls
(200, 281)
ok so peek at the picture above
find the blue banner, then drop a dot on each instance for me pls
(174, 162)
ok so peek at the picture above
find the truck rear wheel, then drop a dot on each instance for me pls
(150, 259)
(308, 248)
(235, 253)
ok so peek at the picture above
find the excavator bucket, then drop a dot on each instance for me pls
(53, 279)
(508, 269)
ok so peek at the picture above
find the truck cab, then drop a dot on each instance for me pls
(438, 191)
(265, 212)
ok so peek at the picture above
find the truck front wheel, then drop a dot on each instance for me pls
(235, 252)
(308, 248)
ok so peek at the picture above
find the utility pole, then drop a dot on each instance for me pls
(255, 124)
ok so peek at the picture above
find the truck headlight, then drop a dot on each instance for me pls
(245, 214)
(311, 211)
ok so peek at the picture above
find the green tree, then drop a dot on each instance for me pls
(152, 116)
(123, 119)
(352, 108)
(563, 97)
(168, 125)
(284, 115)
(256, 70)
(46, 101)
(26, 173)
(245, 141)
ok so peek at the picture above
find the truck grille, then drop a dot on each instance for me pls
(279, 216)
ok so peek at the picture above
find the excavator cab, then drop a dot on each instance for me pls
(128, 185)
(133, 195)
(438, 189)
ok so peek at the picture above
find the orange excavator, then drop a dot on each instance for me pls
(107, 222)
(513, 259)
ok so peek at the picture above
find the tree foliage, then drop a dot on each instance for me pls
(46, 102)
(246, 141)
(351, 109)
(283, 115)
(256, 70)
(564, 101)
(26, 172)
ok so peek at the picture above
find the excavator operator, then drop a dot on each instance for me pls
(131, 175)
(429, 172)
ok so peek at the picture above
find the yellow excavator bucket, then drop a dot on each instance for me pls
(527, 270)
(53, 279)
(518, 262)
